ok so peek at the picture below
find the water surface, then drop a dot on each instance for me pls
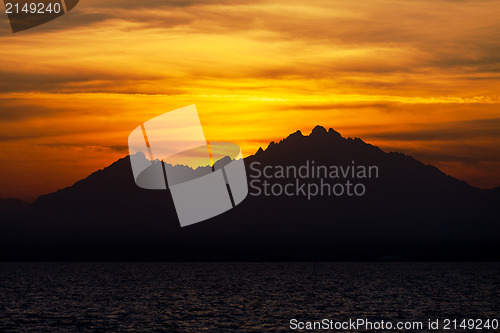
(245, 297)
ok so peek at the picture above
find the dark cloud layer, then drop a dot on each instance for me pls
(450, 131)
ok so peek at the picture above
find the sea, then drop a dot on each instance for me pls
(246, 297)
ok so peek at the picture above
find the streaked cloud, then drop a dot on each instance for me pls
(416, 76)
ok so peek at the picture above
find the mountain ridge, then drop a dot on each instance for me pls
(410, 203)
(260, 150)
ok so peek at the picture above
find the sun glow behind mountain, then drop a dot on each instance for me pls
(419, 77)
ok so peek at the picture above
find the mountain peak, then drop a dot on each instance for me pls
(319, 130)
(318, 134)
(333, 132)
(297, 134)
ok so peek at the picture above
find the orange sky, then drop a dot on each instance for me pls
(420, 77)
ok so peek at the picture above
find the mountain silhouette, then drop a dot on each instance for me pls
(11, 205)
(410, 210)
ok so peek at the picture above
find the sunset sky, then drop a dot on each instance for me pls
(419, 77)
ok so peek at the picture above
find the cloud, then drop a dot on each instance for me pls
(419, 76)
(336, 106)
(381, 46)
(87, 147)
(450, 131)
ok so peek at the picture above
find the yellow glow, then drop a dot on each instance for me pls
(420, 77)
